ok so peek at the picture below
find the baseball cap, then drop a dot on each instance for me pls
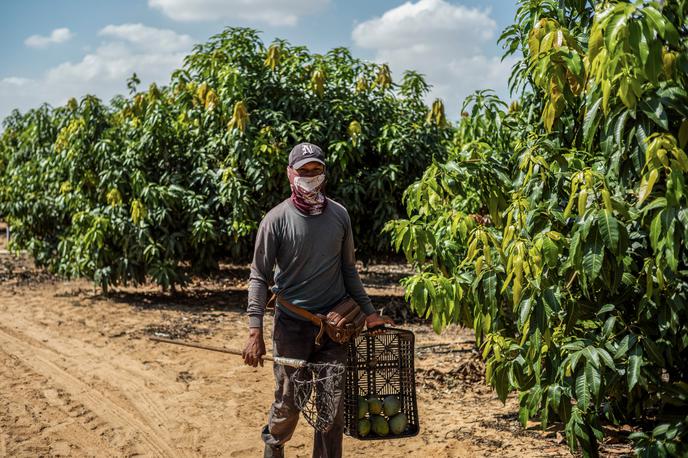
(303, 153)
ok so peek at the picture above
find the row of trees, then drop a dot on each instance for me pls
(558, 228)
(555, 227)
(179, 176)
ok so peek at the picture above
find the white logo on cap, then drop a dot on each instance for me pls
(308, 150)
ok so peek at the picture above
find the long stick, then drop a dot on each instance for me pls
(292, 362)
(204, 347)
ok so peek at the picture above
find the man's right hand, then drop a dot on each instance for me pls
(255, 348)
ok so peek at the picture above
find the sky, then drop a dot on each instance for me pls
(56, 49)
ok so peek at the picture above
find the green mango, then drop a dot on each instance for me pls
(362, 407)
(364, 427)
(398, 423)
(379, 424)
(391, 405)
(374, 405)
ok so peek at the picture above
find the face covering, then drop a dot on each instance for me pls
(307, 192)
(309, 184)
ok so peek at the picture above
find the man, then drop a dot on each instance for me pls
(308, 238)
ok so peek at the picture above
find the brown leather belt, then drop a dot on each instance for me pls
(316, 320)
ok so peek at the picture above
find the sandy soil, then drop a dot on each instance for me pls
(79, 376)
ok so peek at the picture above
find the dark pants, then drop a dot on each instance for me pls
(293, 338)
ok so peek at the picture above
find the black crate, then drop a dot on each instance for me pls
(381, 364)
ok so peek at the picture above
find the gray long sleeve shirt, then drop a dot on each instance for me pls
(313, 260)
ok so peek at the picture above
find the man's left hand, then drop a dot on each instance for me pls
(374, 319)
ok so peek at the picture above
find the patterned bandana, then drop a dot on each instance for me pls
(307, 193)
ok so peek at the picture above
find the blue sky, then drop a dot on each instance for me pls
(56, 49)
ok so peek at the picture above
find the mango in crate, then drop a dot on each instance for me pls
(364, 427)
(391, 405)
(398, 423)
(374, 405)
(379, 425)
(362, 407)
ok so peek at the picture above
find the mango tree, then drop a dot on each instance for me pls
(558, 228)
(167, 181)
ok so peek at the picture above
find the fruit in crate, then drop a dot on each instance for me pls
(391, 405)
(380, 425)
(362, 407)
(398, 423)
(364, 427)
(374, 405)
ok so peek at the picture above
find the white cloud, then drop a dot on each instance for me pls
(271, 12)
(15, 81)
(452, 45)
(148, 38)
(56, 36)
(149, 52)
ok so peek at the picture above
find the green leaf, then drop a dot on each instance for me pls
(646, 185)
(419, 297)
(615, 27)
(490, 291)
(591, 356)
(641, 137)
(574, 248)
(620, 126)
(502, 384)
(551, 299)
(626, 342)
(574, 357)
(656, 229)
(592, 257)
(653, 109)
(549, 115)
(523, 416)
(661, 429)
(550, 251)
(671, 34)
(605, 308)
(656, 19)
(606, 358)
(633, 369)
(683, 133)
(575, 65)
(593, 379)
(659, 202)
(653, 66)
(640, 42)
(524, 311)
(608, 326)
(590, 121)
(609, 228)
(582, 391)
(399, 235)
(436, 323)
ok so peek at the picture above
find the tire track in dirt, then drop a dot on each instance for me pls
(122, 374)
(40, 360)
(36, 413)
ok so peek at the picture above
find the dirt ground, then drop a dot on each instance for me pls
(79, 376)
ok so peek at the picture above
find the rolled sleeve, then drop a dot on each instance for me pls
(262, 266)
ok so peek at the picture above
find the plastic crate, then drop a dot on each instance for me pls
(381, 364)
